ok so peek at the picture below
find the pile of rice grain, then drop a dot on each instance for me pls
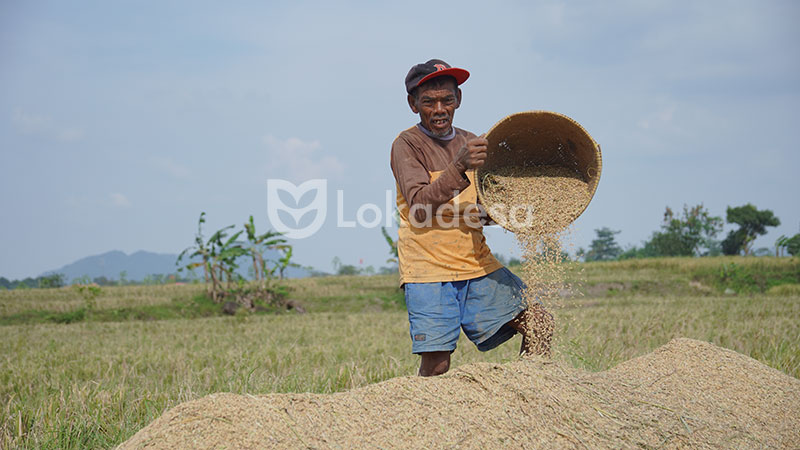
(538, 203)
(685, 394)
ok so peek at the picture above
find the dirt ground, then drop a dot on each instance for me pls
(686, 393)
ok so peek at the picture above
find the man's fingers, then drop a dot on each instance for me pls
(477, 160)
(478, 148)
(480, 154)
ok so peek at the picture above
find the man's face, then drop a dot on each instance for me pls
(436, 103)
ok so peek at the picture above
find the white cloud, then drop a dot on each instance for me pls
(41, 125)
(119, 200)
(661, 119)
(300, 160)
(168, 166)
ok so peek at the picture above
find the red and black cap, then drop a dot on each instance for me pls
(421, 73)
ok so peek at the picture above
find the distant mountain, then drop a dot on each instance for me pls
(140, 264)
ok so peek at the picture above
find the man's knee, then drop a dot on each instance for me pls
(434, 363)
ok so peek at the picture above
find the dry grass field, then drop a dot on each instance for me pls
(96, 381)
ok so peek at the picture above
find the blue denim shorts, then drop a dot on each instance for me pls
(482, 307)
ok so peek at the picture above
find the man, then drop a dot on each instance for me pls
(450, 277)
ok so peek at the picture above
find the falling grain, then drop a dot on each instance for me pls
(537, 203)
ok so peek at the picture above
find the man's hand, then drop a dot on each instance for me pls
(472, 155)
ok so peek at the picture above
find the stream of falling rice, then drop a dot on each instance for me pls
(538, 203)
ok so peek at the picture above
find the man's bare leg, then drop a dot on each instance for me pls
(539, 338)
(434, 363)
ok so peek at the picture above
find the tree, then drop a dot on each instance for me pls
(604, 247)
(224, 253)
(780, 245)
(200, 250)
(645, 251)
(686, 235)
(258, 244)
(392, 246)
(218, 256)
(793, 245)
(102, 280)
(752, 223)
(762, 251)
(348, 269)
(55, 280)
(285, 261)
(733, 244)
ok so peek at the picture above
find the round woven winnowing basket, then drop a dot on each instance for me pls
(535, 138)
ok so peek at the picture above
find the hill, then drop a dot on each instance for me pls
(140, 264)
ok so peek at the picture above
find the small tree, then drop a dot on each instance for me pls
(604, 247)
(392, 246)
(224, 253)
(780, 245)
(200, 250)
(218, 257)
(258, 244)
(348, 269)
(688, 234)
(285, 261)
(793, 245)
(752, 223)
(55, 280)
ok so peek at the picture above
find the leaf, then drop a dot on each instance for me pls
(233, 238)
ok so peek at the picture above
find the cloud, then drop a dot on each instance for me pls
(170, 167)
(300, 160)
(119, 200)
(660, 119)
(40, 125)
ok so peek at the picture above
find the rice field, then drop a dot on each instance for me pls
(93, 384)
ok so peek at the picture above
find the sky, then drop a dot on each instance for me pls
(120, 122)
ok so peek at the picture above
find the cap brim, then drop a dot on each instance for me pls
(460, 75)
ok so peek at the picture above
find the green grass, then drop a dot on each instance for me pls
(93, 383)
(742, 274)
(177, 308)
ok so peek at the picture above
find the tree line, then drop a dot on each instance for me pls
(55, 280)
(693, 232)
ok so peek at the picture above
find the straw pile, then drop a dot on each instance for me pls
(685, 394)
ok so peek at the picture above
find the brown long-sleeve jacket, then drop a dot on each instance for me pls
(440, 235)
